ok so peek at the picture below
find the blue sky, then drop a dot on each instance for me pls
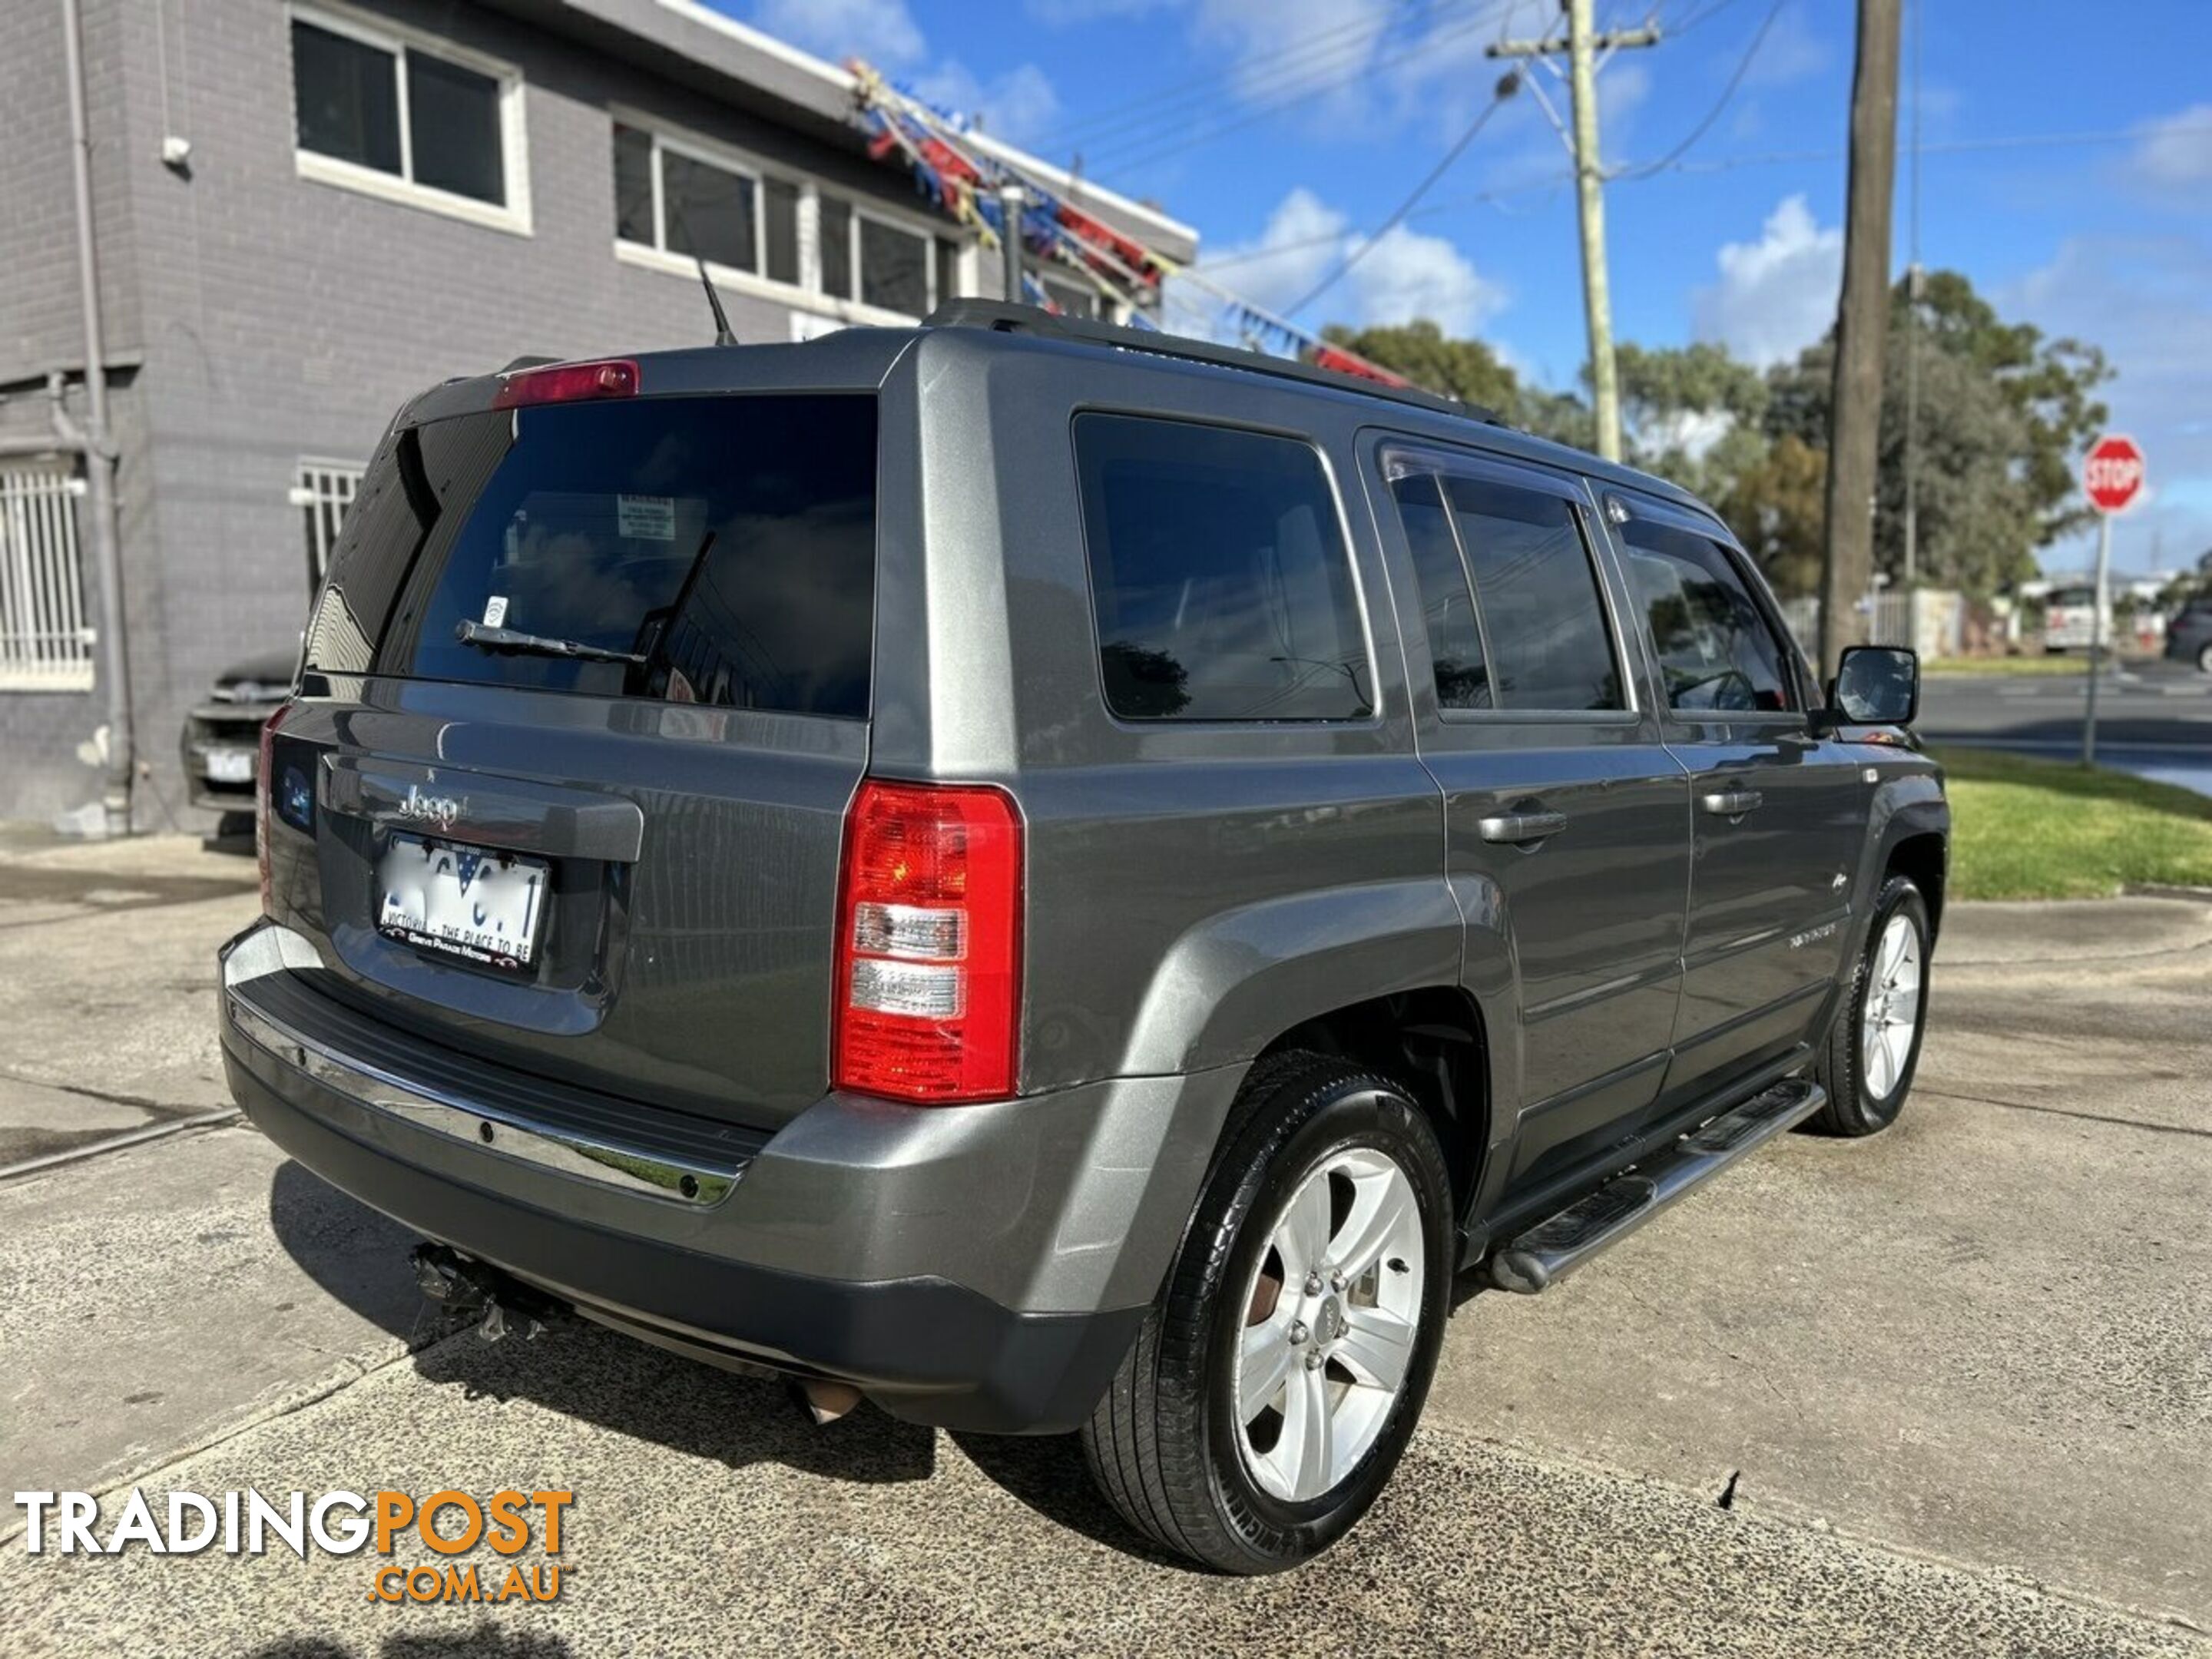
(1283, 129)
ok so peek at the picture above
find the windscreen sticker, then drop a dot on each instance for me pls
(647, 518)
(495, 610)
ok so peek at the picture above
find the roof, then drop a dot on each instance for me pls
(692, 42)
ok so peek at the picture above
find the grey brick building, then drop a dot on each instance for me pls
(377, 194)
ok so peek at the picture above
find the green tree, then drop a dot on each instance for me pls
(1692, 414)
(1775, 504)
(1470, 371)
(2004, 415)
(1426, 355)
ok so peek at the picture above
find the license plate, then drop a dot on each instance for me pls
(230, 765)
(480, 906)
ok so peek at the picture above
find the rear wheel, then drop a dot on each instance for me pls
(1278, 1378)
(2204, 658)
(1873, 1048)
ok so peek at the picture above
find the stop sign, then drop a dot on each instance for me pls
(2113, 472)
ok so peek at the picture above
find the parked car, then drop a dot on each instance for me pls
(2189, 634)
(1060, 879)
(2069, 619)
(221, 739)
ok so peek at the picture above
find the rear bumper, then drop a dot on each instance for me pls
(971, 1267)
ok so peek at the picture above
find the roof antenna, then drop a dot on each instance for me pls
(722, 335)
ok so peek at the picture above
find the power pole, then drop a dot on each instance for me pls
(1861, 325)
(1915, 279)
(1582, 46)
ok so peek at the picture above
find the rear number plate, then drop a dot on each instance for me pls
(480, 906)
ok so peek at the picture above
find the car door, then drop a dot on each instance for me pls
(1566, 820)
(1779, 814)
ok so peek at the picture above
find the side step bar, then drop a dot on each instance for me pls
(1555, 1247)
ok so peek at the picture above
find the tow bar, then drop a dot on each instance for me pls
(467, 1289)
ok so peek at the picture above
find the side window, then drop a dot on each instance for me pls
(1550, 647)
(1716, 649)
(1222, 584)
(1447, 602)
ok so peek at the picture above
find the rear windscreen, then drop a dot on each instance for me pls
(716, 551)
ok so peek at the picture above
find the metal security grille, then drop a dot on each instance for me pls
(322, 492)
(44, 643)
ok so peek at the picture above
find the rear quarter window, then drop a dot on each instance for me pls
(1221, 583)
(714, 550)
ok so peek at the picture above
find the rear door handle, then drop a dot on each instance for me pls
(1516, 828)
(1732, 803)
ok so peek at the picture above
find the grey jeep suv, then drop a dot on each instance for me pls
(1060, 879)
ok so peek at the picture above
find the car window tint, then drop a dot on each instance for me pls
(723, 547)
(1447, 602)
(1716, 649)
(1550, 647)
(1223, 587)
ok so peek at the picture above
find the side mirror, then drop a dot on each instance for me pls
(1875, 685)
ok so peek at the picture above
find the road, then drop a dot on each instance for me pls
(1954, 1381)
(2155, 720)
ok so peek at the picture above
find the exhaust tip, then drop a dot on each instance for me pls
(826, 1400)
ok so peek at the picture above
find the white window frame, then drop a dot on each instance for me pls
(318, 483)
(398, 40)
(49, 648)
(806, 294)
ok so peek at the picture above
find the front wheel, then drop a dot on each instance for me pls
(1873, 1048)
(1276, 1381)
(2204, 659)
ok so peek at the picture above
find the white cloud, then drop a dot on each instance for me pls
(2177, 150)
(1315, 50)
(882, 31)
(1776, 296)
(1405, 275)
(1019, 106)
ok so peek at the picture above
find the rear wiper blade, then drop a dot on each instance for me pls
(538, 645)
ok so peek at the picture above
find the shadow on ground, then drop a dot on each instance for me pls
(487, 1641)
(599, 1376)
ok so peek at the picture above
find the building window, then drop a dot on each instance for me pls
(885, 263)
(323, 490)
(1069, 300)
(409, 119)
(44, 643)
(687, 197)
(690, 199)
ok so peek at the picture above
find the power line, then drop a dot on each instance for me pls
(1696, 18)
(1505, 87)
(1123, 156)
(1346, 42)
(1727, 94)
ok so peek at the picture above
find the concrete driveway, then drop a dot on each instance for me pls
(1954, 1382)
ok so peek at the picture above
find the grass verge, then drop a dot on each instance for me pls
(2038, 666)
(2028, 829)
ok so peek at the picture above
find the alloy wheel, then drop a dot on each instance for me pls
(1333, 1314)
(1891, 1013)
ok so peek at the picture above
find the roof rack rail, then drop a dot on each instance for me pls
(1004, 319)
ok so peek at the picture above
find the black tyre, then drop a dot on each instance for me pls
(1275, 1382)
(1873, 1046)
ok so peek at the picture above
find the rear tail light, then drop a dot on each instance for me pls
(263, 803)
(568, 383)
(929, 936)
